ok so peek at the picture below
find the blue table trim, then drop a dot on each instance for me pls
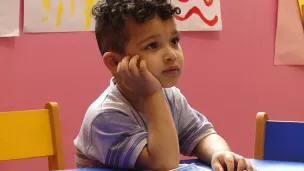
(261, 165)
(196, 162)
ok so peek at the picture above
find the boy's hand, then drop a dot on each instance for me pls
(134, 76)
(137, 79)
(230, 161)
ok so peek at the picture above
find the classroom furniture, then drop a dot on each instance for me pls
(261, 165)
(278, 140)
(31, 134)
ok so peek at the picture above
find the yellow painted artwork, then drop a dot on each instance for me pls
(58, 15)
(301, 6)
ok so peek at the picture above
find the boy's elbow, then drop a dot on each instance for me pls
(157, 164)
(146, 161)
(165, 166)
(165, 163)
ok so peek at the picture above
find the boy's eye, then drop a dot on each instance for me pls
(175, 41)
(153, 45)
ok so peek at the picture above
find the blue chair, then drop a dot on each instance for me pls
(278, 140)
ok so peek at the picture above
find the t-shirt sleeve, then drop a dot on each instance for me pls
(117, 139)
(192, 126)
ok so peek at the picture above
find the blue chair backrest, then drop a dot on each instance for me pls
(284, 141)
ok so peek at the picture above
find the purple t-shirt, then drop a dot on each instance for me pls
(113, 133)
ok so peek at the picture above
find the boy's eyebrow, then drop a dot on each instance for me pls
(175, 32)
(148, 38)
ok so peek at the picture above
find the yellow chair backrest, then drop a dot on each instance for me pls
(31, 134)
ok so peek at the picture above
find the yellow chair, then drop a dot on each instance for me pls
(31, 134)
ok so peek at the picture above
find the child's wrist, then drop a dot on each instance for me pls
(153, 95)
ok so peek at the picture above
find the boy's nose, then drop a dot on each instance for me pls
(170, 55)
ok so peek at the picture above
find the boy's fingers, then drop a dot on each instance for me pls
(216, 166)
(143, 67)
(133, 65)
(241, 165)
(124, 68)
(249, 166)
(118, 70)
(125, 63)
(120, 73)
(229, 160)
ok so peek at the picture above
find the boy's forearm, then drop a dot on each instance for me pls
(163, 144)
(209, 145)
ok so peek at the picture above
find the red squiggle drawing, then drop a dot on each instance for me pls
(208, 3)
(196, 10)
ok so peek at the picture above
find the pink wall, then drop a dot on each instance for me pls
(229, 76)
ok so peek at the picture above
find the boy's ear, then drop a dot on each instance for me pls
(111, 60)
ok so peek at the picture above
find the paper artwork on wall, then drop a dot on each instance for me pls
(199, 15)
(9, 18)
(58, 15)
(75, 15)
(289, 44)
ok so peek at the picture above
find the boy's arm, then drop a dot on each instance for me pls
(210, 145)
(214, 150)
(162, 150)
(197, 136)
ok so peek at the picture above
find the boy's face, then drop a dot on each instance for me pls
(157, 42)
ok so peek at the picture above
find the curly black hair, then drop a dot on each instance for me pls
(110, 15)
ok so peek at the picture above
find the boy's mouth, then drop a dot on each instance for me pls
(172, 70)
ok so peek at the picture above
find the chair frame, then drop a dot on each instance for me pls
(56, 159)
(261, 120)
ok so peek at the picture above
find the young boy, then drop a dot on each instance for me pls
(141, 121)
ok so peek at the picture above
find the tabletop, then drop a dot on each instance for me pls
(261, 165)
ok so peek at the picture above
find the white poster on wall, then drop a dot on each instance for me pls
(199, 15)
(58, 15)
(75, 15)
(9, 18)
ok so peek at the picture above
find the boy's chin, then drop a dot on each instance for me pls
(168, 84)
